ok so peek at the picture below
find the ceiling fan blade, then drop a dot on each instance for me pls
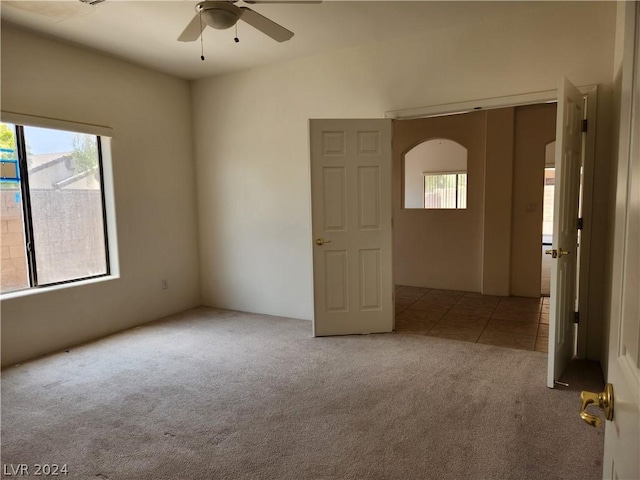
(253, 2)
(193, 30)
(266, 26)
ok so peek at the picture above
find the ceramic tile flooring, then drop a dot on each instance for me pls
(514, 322)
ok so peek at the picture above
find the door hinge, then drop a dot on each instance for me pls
(585, 124)
(576, 317)
(580, 223)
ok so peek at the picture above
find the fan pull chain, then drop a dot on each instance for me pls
(236, 39)
(201, 39)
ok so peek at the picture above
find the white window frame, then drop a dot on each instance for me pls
(457, 173)
(111, 243)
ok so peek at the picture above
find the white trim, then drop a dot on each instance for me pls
(110, 206)
(447, 172)
(621, 202)
(547, 96)
(55, 123)
(51, 288)
(584, 350)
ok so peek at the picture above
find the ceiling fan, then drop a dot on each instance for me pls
(223, 14)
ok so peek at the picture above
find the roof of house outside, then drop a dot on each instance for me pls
(57, 171)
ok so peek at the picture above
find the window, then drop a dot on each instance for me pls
(549, 193)
(53, 225)
(548, 203)
(435, 175)
(445, 190)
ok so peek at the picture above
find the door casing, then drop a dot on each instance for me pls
(549, 96)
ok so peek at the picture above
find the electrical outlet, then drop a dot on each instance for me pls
(165, 284)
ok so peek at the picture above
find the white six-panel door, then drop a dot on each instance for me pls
(622, 434)
(565, 229)
(351, 223)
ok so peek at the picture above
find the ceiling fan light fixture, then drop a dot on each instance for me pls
(220, 15)
(223, 14)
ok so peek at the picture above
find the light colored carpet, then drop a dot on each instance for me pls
(213, 394)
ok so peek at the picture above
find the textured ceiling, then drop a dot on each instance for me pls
(145, 32)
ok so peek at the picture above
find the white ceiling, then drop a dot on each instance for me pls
(145, 31)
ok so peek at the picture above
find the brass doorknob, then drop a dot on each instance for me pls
(603, 400)
(322, 241)
(562, 252)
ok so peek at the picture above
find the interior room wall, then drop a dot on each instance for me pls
(535, 127)
(550, 155)
(440, 248)
(498, 197)
(494, 247)
(154, 180)
(251, 131)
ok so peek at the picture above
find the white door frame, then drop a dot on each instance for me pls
(547, 96)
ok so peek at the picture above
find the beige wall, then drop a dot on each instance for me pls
(498, 198)
(440, 248)
(535, 127)
(154, 191)
(494, 246)
(250, 132)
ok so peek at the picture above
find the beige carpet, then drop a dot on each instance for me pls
(214, 394)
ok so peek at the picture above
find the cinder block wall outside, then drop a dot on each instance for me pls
(69, 236)
(13, 271)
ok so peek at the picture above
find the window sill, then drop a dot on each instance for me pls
(63, 286)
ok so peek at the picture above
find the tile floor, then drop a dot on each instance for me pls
(514, 322)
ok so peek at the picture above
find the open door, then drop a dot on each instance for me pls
(565, 229)
(622, 434)
(351, 223)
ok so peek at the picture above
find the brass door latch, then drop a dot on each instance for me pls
(556, 253)
(603, 400)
